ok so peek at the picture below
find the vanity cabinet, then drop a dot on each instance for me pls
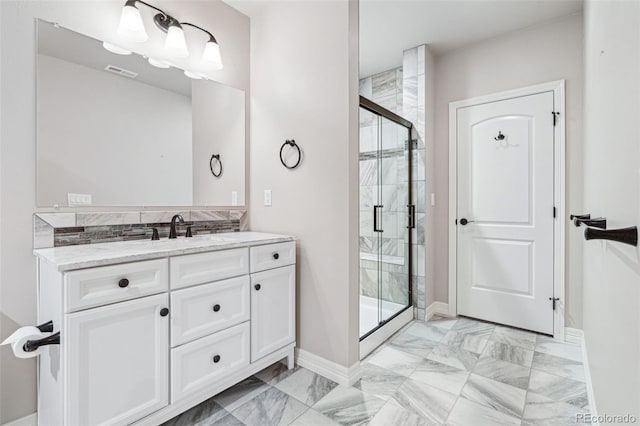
(143, 341)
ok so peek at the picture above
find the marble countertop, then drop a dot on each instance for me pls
(89, 255)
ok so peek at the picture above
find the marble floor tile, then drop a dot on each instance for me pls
(499, 396)
(349, 406)
(392, 414)
(312, 418)
(228, 420)
(547, 345)
(306, 386)
(454, 357)
(275, 373)
(559, 388)
(205, 413)
(504, 352)
(426, 401)
(466, 413)
(514, 337)
(379, 381)
(471, 326)
(240, 393)
(563, 367)
(441, 376)
(542, 411)
(270, 408)
(442, 322)
(503, 371)
(414, 345)
(398, 361)
(425, 331)
(466, 341)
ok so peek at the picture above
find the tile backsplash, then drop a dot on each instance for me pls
(64, 229)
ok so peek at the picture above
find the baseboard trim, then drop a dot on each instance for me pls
(29, 420)
(573, 335)
(437, 308)
(587, 375)
(346, 376)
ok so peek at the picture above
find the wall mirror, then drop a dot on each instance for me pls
(114, 130)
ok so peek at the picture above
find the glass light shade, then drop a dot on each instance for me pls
(131, 25)
(193, 75)
(115, 49)
(211, 55)
(175, 44)
(159, 63)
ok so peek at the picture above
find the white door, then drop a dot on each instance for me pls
(273, 301)
(117, 362)
(505, 192)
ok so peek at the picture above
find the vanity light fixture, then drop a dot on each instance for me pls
(159, 63)
(132, 28)
(115, 49)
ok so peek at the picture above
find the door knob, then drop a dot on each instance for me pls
(216, 307)
(164, 312)
(257, 286)
(276, 256)
(123, 283)
(464, 221)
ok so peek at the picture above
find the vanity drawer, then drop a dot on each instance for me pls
(205, 309)
(272, 256)
(91, 287)
(204, 362)
(202, 268)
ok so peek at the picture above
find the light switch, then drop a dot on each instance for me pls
(234, 198)
(267, 197)
(79, 199)
(433, 199)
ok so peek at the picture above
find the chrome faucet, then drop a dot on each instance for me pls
(172, 229)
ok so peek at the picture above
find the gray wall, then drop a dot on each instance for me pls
(536, 55)
(304, 85)
(612, 189)
(98, 19)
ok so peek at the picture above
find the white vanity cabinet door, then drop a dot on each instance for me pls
(116, 362)
(273, 301)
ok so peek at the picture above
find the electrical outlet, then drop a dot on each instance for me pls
(79, 199)
(267, 197)
(234, 198)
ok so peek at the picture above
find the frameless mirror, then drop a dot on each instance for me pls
(113, 130)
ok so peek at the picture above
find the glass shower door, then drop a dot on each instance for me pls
(385, 193)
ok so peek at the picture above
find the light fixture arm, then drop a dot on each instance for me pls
(211, 37)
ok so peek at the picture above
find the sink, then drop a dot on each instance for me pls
(213, 238)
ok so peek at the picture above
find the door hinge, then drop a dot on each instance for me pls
(554, 212)
(553, 301)
(555, 117)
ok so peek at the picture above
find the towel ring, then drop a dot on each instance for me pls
(216, 157)
(294, 145)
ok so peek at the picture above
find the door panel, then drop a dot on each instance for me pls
(505, 190)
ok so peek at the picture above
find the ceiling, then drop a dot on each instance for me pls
(388, 27)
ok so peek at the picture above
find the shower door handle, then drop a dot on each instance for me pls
(375, 219)
(412, 216)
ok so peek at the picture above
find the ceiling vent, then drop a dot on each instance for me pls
(120, 71)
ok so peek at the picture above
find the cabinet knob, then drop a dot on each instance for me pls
(123, 283)
(276, 256)
(216, 359)
(216, 308)
(257, 286)
(164, 312)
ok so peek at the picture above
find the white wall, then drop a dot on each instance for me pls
(99, 134)
(304, 84)
(612, 189)
(98, 19)
(536, 55)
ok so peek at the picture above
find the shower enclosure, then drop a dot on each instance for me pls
(387, 216)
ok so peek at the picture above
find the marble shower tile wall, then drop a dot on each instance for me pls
(63, 229)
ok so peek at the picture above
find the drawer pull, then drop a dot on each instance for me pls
(276, 256)
(216, 308)
(216, 359)
(123, 283)
(257, 286)
(164, 312)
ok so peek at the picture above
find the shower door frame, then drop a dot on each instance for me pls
(391, 116)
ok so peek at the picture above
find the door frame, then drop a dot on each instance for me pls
(558, 89)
